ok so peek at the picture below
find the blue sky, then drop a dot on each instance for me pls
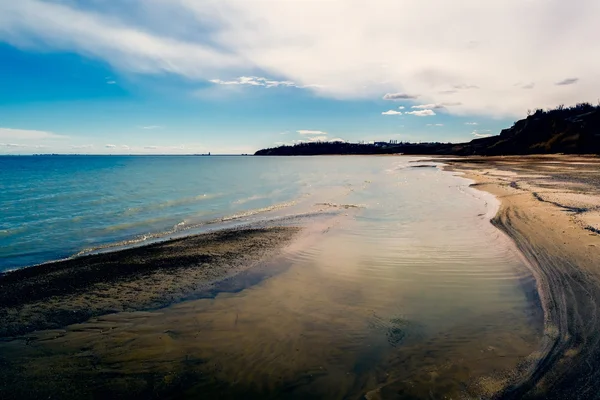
(233, 77)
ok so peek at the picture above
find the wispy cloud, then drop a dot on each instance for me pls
(150, 127)
(421, 113)
(258, 81)
(435, 124)
(150, 147)
(401, 108)
(240, 38)
(391, 112)
(471, 123)
(25, 134)
(481, 133)
(463, 86)
(82, 146)
(568, 81)
(428, 106)
(110, 146)
(310, 132)
(399, 96)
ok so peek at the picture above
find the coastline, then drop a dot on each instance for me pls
(56, 294)
(548, 208)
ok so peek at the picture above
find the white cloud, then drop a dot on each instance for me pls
(421, 113)
(435, 124)
(25, 134)
(401, 108)
(111, 82)
(481, 133)
(11, 145)
(110, 146)
(309, 132)
(436, 106)
(391, 112)
(304, 42)
(150, 147)
(399, 96)
(471, 123)
(258, 81)
(82, 146)
(125, 147)
(149, 127)
(427, 106)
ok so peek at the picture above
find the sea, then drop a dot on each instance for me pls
(408, 290)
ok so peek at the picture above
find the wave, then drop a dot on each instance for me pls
(172, 203)
(181, 226)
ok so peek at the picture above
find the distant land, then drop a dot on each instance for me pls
(568, 130)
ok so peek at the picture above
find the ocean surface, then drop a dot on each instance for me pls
(404, 289)
(53, 207)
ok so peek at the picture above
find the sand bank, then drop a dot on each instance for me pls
(550, 208)
(57, 294)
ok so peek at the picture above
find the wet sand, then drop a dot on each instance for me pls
(550, 207)
(61, 293)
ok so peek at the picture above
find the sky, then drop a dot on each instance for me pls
(234, 76)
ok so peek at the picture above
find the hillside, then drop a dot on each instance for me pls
(572, 130)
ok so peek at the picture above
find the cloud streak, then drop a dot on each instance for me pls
(421, 113)
(26, 134)
(568, 81)
(310, 132)
(258, 81)
(398, 96)
(391, 112)
(252, 39)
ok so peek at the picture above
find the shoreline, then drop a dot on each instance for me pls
(56, 294)
(539, 211)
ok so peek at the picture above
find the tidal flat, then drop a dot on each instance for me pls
(396, 286)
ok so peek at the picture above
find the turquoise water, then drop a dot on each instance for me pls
(53, 207)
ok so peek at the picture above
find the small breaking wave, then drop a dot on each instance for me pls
(182, 226)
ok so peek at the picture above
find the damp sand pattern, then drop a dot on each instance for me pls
(547, 205)
(60, 293)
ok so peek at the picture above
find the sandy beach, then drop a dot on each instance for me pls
(550, 207)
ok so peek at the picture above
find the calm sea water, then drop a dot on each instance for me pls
(406, 290)
(56, 206)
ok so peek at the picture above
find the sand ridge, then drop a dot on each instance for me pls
(57, 294)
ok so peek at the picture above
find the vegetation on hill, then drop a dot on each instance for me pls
(570, 130)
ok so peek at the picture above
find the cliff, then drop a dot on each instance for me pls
(569, 130)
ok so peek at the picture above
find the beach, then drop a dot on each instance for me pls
(550, 207)
(61, 293)
(391, 284)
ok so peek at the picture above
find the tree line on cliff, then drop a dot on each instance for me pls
(569, 130)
